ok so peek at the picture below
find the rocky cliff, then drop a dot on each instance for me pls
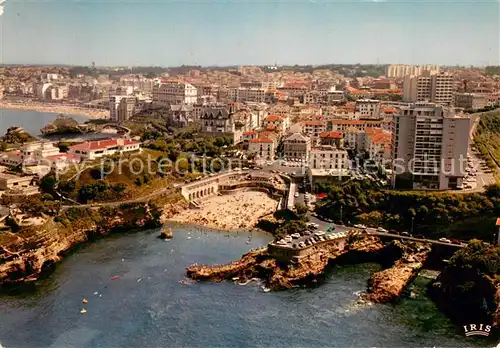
(388, 284)
(33, 252)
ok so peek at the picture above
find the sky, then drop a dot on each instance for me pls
(231, 32)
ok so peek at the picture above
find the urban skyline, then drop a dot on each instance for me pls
(255, 33)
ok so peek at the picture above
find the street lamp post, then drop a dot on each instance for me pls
(412, 219)
(341, 220)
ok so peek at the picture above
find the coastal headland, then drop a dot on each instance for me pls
(282, 269)
(55, 108)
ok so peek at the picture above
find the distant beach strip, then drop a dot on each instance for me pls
(59, 109)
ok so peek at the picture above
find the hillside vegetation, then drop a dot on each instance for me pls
(467, 288)
(487, 138)
(110, 180)
(435, 214)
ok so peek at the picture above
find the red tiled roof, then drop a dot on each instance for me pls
(380, 138)
(374, 130)
(252, 132)
(101, 144)
(273, 118)
(498, 222)
(332, 134)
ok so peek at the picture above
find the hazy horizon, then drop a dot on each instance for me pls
(234, 33)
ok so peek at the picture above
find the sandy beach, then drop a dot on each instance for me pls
(238, 210)
(59, 109)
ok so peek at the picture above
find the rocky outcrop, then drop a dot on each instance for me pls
(35, 251)
(388, 284)
(308, 270)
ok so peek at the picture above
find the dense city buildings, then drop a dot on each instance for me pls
(429, 146)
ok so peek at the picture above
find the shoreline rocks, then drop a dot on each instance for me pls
(36, 255)
(309, 270)
(388, 284)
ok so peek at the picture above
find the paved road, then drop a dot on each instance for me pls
(373, 231)
(323, 225)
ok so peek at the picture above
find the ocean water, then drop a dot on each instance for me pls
(31, 121)
(147, 306)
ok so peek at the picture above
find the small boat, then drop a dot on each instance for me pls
(115, 277)
(264, 289)
(83, 311)
(166, 233)
(85, 301)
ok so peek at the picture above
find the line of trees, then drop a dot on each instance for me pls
(432, 214)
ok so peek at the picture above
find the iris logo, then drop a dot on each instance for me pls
(477, 330)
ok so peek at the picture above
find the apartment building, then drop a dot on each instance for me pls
(41, 90)
(276, 122)
(262, 147)
(376, 143)
(1, 92)
(56, 92)
(429, 145)
(174, 93)
(316, 97)
(332, 138)
(436, 88)
(296, 147)
(121, 107)
(401, 70)
(314, 128)
(294, 91)
(126, 109)
(242, 94)
(471, 101)
(351, 137)
(368, 108)
(335, 97)
(360, 125)
(328, 157)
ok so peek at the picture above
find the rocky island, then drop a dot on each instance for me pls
(66, 125)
